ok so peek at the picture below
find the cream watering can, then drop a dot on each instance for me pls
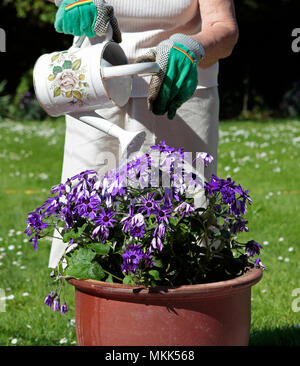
(82, 80)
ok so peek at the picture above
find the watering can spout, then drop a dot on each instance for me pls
(130, 141)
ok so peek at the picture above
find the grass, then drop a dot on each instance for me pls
(263, 156)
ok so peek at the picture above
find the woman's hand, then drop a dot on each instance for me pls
(177, 80)
(76, 17)
(90, 17)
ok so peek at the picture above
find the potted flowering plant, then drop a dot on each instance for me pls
(152, 265)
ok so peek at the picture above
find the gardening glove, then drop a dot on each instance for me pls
(90, 17)
(177, 79)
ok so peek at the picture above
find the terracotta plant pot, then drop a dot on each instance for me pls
(213, 314)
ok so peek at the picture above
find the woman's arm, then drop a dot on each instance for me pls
(219, 32)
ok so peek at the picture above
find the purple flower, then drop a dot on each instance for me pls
(162, 147)
(51, 206)
(193, 180)
(162, 214)
(28, 231)
(161, 229)
(259, 264)
(134, 223)
(56, 304)
(34, 221)
(228, 195)
(156, 243)
(146, 215)
(184, 209)
(102, 232)
(61, 188)
(134, 257)
(88, 207)
(205, 157)
(253, 248)
(168, 197)
(35, 225)
(127, 220)
(49, 298)
(63, 308)
(232, 195)
(34, 241)
(212, 186)
(138, 220)
(104, 218)
(148, 204)
(137, 231)
(103, 221)
(237, 225)
(139, 166)
(83, 176)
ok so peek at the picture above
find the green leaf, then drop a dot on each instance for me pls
(57, 92)
(77, 94)
(173, 220)
(81, 255)
(158, 263)
(99, 248)
(53, 58)
(129, 280)
(80, 265)
(74, 233)
(67, 65)
(56, 70)
(86, 271)
(76, 64)
(51, 77)
(109, 279)
(155, 274)
(184, 228)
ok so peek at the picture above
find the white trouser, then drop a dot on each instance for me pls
(194, 128)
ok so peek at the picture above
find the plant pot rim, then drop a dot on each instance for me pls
(117, 291)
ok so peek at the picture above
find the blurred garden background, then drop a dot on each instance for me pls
(259, 148)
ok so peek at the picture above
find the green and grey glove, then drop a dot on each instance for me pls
(177, 79)
(90, 17)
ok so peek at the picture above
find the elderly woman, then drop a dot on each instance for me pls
(180, 104)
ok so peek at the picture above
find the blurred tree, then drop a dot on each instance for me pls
(41, 10)
(262, 67)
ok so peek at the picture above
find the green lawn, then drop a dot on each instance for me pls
(263, 156)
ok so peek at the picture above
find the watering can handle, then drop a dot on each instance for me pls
(78, 42)
(130, 70)
(104, 38)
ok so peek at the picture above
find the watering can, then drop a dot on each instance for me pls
(81, 80)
